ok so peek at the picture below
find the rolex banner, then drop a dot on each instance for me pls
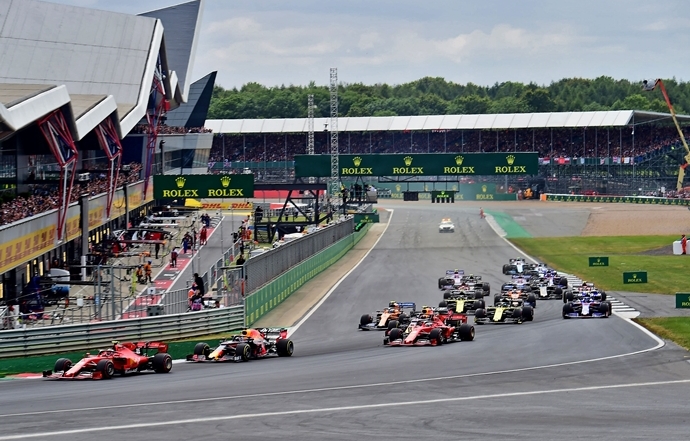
(423, 164)
(203, 186)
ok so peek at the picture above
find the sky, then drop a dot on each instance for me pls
(283, 42)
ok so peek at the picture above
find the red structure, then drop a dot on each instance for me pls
(110, 143)
(57, 133)
(157, 108)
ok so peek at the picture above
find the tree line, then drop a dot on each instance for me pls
(436, 96)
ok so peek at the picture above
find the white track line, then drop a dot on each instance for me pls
(351, 387)
(293, 329)
(216, 419)
(624, 315)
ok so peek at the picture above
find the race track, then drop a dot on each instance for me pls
(544, 380)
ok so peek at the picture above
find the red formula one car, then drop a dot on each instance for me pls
(250, 344)
(432, 328)
(122, 358)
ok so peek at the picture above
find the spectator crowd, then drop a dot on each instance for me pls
(44, 197)
(549, 143)
(169, 130)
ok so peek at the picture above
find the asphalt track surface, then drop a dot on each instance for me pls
(544, 380)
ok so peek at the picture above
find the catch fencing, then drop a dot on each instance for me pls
(83, 337)
(261, 269)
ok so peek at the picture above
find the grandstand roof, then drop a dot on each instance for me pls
(500, 121)
(93, 62)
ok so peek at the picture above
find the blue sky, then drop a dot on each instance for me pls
(276, 42)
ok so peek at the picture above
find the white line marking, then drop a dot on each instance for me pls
(293, 329)
(351, 387)
(627, 316)
(215, 419)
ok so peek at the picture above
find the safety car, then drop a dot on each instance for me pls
(446, 226)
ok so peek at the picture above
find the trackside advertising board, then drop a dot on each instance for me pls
(423, 164)
(203, 186)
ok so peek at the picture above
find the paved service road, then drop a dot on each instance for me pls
(544, 380)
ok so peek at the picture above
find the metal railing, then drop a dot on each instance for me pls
(55, 339)
(265, 267)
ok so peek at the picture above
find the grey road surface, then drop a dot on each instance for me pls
(544, 380)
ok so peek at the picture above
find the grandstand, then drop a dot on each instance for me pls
(607, 152)
(74, 82)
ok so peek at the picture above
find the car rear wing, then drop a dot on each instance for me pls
(452, 272)
(274, 333)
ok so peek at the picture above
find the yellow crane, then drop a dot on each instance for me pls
(649, 86)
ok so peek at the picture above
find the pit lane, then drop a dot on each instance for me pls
(345, 384)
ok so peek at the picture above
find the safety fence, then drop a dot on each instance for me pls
(265, 267)
(272, 294)
(82, 337)
(615, 199)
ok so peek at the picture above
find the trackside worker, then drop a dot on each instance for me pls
(481, 213)
(147, 271)
(684, 243)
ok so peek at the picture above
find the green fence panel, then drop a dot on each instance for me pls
(275, 292)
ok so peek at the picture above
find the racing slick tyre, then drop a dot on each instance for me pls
(603, 296)
(604, 309)
(395, 334)
(532, 299)
(486, 287)
(403, 319)
(162, 363)
(285, 347)
(563, 282)
(393, 324)
(558, 291)
(478, 293)
(496, 300)
(608, 302)
(527, 313)
(466, 332)
(479, 304)
(202, 349)
(243, 351)
(106, 368)
(480, 313)
(446, 295)
(506, 269)
(441, 282)
(567, 309)
(436, 335)
(517, 314)
(442, 304)
(569, 296)
(365, 319)
(62, 364)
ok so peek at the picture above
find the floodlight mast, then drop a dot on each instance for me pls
(647, 87)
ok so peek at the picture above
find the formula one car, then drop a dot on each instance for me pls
(249, 344)
(587, 306)
(514, 266)
(586, 289)
(391, 317)
(446, 226)
(454, 279)
(505, 311)
(517, 297)
(462, 301)
(122, 358)
(432, 328)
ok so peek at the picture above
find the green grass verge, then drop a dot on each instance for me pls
(676, 329)
(666, 274)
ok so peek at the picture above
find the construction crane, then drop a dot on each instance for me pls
(649, 86)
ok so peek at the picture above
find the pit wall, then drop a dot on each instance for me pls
(273, 293)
